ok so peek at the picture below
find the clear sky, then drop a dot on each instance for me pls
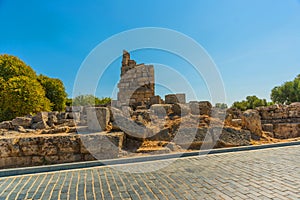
(254, 43)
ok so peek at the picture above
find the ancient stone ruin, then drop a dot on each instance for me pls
(136, 86)
(139, 121)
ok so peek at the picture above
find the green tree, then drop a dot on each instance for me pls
(89, 100)
(22, 95)
(55, 92)
(20, 91)
(287, 93)
(11, 66)
(221, 105)
(251, 102)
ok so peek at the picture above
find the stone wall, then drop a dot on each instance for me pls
(281, 121)
(277, 121)
(137, 82)
(52, 149)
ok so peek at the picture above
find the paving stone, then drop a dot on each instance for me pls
(263, 174)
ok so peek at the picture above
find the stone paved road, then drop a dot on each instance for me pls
(262, 174)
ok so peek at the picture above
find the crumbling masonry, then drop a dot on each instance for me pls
(137, 82)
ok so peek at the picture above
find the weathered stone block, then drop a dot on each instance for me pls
(69, 157)
(98, 118)
(171, 99)
(251, 122)
(161, 110)
(40, 125)
(155, 100)
(286, 130)
(22, 121)
(267, 127)
(30, 150)
(6, 125)
(181, 109)
(40, 117)
(102, 145)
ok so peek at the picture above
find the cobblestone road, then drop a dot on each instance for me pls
(262, 174)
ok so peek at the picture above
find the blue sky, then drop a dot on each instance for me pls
(254, 43)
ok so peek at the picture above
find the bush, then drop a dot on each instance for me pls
(251, 102)
(90, 100)
(55, 92)
(22, 95)
(287, 93)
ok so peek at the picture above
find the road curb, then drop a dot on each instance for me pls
(87, 164)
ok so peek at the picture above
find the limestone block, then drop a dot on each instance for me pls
(6, 125)
(40, 125)
(286, 130)
(161, 110)
(171, 99)
(69, 157)
(181, 98)
(30, 150)
(40, 117)
(251, 121)
(48, 148)
(267, 127)
(181, 109)
(200, 108)
(102, 145)
(22, 121)
(67, 144)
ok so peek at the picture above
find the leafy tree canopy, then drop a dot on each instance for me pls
(55, 91)
(20, 96)
(221, 105)
(11, 66)
(22, 93)
(287, 93)
(89, 100)
(251, 102)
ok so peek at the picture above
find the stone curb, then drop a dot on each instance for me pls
(79, 165)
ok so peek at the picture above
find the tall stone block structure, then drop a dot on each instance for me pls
(137, 82)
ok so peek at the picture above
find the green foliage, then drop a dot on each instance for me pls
(55, 92)
(11, 66)
(251, 102)
(22, 95)
(287, 93)
(69, 102)
(221, 105)
(89, 100)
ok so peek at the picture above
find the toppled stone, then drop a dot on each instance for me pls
(6, 125)
(173, 147)
(52, 118)
(161, 110)
(286, 130)
(98, 118)
(231, 137)
(20, 129)
(175, 98)
(162, 135)
(40, 117)
(200, 108)
(40, 125)
(251, 122)
(181, 109)
(74, 115)
(155, 100)
(22, 121)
